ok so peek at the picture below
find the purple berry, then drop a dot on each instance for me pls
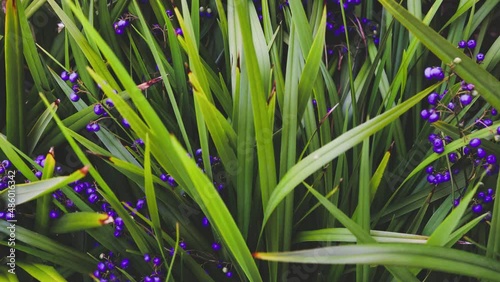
(73, 77)
(438, 143)
(481, 153)
(124, 263)
(93, 198)
(204, 221)
(474, 143)
(429, 169)
(140, 204)
(465, 99)
(471, 44)
(216, 246)
(477, 208)
(433, 98)
(428, 72)
(6, 163)
(156, 261)
(53, 214)
(494, 112)
(456, 202)
(182, 245)
(125, 123)
(98, 109)
(118, 221)
(491, 159)
(64, 75)
(424, 114)
(147, 257)
(480, 195)
(122, 23)
(109, 103)
(490, 191)
(434, 117)
(439, 150)
(480, 57)
(462, 44)
(488, 199)
(453, 157)
(178, 31)
(164, 177)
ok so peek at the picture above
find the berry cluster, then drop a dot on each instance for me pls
(483, 202)
(73, 78)
(121, 25)
(455, 106)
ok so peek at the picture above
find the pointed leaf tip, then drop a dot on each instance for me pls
(84, 170)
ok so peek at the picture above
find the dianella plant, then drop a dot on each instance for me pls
(249, 140)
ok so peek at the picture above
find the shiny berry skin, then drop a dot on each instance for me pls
(164, 177)
(429, 169)
(204, 221)
(431, 179)
(481, 153)
(6, 163)
(451, 106)
(140, 204)
(433, 98)
(119, 31)
(474, 143)
(122, 23)
(466, 150)
(98, 109)
(434, 117)
(53, 214)
(229, 274)
(74, 97)
(438, 143)
(178, 31)
(93, 198)
(156, 261)
(477, 208)
(109, 103)
(462, 44)
(124, 263)
(439, 150)
(93, 127)
(101, 266)
(489, 191)
(125, 123)
(427, 73)
(139, 142)
(471, 44)
(456, 202)
(38, 174)
(182, 245)
(147, 257)
(488, 199)
(64, 75)
(494, 112)
(73, 77)
(216, 246)
(491, 159)
(118, 221)
(424, 114)
(480, 57)
(465, 99)
(453, 157)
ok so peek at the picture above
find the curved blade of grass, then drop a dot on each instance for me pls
(330, 151)
(409, 255)
(43, 202)
(441, 235)
(137, 234)
(205, 194)
(486, 84)
(344, 235)
(5, 275)
(42, 272)
(362, 235)
(493, 246)
(14, 76)
(77, 221)
(149, 190)
(29, 191)
(39, 127)
(73, 258)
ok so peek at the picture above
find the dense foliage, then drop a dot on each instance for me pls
(249, 140)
